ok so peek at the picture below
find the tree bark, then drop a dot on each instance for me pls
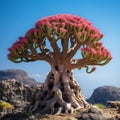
(60, 93)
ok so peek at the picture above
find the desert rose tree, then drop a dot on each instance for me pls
(56, 40)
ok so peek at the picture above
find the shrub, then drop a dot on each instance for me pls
(99, 105)
(6, 107)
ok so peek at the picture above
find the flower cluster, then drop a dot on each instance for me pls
(96, 52)
(63, 24)
(32, 34)
(24, 43)
(17, 48)
(19, 44)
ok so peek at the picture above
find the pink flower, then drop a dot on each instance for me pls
(23, 40)
(80, 26)
(93, 51)
(63, 30)
(94, 68)
(84, 33)
(55, 28)
(83, 49)
(79, 34)
(11, 49)
(48, 24)
(99, 53)
(33, 30)
(109, 57)
(98, 44)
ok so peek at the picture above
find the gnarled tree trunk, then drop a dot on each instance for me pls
(60, 93)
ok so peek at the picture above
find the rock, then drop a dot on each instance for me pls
(17, 74)
(15, 93)
(114, 104)
(17, 116)
(94, 113)
(117, 117)
(104, 94)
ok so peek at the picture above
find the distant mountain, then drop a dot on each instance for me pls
(104, 94)
(17, 74)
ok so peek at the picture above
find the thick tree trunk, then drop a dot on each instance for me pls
(60, 94)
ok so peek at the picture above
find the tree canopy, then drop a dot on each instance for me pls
(74, 33)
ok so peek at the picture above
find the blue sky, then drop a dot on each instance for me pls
(17, 16)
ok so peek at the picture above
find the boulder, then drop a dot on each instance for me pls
(104, 94)
(114, 104)
(94, 113)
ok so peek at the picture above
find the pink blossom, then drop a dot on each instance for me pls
(98, 44)
(84, 33)
(55, 28)
(63, 30)
(99, 53)
(79, 34)
(102, 48)
(80, 26)
(33, 30)
(94, 68)
(23, 40)
(101, 35)
(72, 21)
(83, 49)
(93, 51)
(110, 57)
(11, 49)
(48, 24)
(19, 46)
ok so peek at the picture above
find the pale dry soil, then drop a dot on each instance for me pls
(110, 112)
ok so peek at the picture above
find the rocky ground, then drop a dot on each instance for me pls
(19, 95)
(92, 113)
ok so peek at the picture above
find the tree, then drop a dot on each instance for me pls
(56, 40)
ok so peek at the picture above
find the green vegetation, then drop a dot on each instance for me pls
(99, 105)
(5, 106)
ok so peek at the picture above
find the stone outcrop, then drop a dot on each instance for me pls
(15, 92)
(17, 74)
(104, 94)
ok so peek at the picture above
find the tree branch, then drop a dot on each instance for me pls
(44, 49)
(64, 43)
(79, 63)
(73, 49)
(30, 57)
(57, 54)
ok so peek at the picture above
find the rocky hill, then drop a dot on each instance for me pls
(104, 94)
(17, 74)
